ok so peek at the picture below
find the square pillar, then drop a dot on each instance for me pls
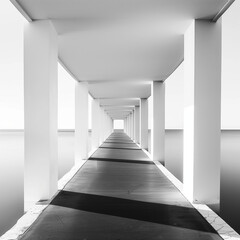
(133, 125)
(136, 124)
(144, 123)
(105, 123)
(129, 125)
(158, 121)
(101, 124)
(111, 125)
(202, 111)
(127, 122)
(81, 121)
(95, 138)
(40, 111)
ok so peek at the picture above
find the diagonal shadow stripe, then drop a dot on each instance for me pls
(121, 148)
(125, 142)
(122, 143)
(121, 160)
(171, 215)
(120, 140)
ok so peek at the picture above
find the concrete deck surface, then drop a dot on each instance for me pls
(120, 194)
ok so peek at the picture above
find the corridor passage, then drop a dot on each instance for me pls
(119, 193)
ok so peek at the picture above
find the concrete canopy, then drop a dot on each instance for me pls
(121, 42)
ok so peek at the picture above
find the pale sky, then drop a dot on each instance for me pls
(11, 76)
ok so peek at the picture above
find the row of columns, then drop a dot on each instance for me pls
(41, 125)
(202, 60)
(202, 114)
(102, 124)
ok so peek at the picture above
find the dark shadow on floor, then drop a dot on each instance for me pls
(119, 142)
(121, 160)
(122, 148)
(170, 215)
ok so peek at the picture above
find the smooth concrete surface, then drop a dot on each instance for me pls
(137, 124)
(122, 197)
(144, 123)
(202, 111)
(40, 110)
(81, 121)
(158, 121)
(95, 124)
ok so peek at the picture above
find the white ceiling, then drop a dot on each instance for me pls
(106, 102)
(120, 89)
(121, 40)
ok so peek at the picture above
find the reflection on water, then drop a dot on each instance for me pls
(11, 171)
(65, 152)
(230, 178)
(11, 179)
(173, 151)
(230, 170)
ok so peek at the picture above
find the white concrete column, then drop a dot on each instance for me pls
(130, 125)
(136, 124)
(133, 125)
(101, 126)
(40, 111)
(127, 122)
(105, 125)
(202, 111)
(108, 126)
(125, 125)
(81, 121)
(95, 138)
(144, 123)
(111, 125)
(158, 121)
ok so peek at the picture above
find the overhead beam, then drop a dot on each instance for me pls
(223, 10)
(118, 107)
(118, 110)
(21, 10)
(119, 101)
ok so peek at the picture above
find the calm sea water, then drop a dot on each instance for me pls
(229, 208)
(230, 178)
(11, 171)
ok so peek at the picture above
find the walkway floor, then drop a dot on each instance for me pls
(120, 194)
